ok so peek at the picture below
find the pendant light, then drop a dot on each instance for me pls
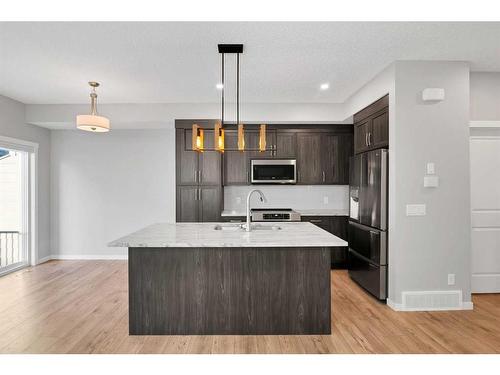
(93, 122)
(219, 137)
(262, 138)
(197, 138)
(197, 131)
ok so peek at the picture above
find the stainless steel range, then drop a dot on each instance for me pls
(274, 214)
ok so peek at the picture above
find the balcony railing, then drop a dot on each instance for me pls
(10, 248)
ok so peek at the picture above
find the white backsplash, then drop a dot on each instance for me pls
(306, 197)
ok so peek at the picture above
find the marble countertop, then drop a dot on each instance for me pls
(297, 234)
(303, 212)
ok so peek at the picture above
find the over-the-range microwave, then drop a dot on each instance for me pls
(273, 171)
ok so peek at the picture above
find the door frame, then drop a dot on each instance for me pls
(30, 197)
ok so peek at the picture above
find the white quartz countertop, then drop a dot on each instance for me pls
(296, 234)
(303, 212)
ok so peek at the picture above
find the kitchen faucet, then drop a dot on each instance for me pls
(262, 199)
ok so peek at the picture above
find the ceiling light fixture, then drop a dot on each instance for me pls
(93, 122)
(324, 86)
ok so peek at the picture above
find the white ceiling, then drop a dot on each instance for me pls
(165, 62)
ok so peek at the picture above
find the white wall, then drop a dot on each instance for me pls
(12, 124)
(299, 197)
(107, 185)
(162, 116)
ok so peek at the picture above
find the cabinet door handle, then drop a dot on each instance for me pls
(195, 176)
(366, 139)
(317, 221)
(369, 138)
(323, 176)
(199, 176)
(199, 194)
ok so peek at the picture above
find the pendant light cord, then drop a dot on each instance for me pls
(237, 89)
(223, 87)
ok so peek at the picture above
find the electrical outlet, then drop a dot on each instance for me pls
(325, 200)
(451, 279)
(415, 210)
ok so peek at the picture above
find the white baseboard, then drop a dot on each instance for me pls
(90, 257)
(435, 300)
(486, 283)
(44, 259)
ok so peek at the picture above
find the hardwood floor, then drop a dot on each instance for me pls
(81, 307)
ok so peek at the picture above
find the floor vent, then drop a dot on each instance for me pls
(432, 300)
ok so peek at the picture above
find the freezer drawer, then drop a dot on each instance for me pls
(369, 276)
(369, 242)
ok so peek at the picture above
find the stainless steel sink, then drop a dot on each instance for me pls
(238, 227)
(265, 227)
(229, 227)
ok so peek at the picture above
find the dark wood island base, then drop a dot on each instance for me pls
(229, 291)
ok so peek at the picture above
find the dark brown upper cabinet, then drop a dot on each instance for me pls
(309, 159)
(252, 143)
(323, 158)
(286, 144)
(197, 168)
(337, 149)
(198, 174)
(371, 126)
(235, 166)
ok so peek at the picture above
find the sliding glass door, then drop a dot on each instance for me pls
(14, 209)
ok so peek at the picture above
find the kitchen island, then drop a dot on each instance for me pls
(216, 278)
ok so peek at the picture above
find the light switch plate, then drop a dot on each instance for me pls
(451, 279)
(431, 181)
(415, 210)
(431, 168)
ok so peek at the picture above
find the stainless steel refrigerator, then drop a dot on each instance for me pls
(367, 235)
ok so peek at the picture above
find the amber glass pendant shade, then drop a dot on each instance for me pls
(219, 137)
(197, 138)
(241, 137)
(262, 138)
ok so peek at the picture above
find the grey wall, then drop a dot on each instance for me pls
(104, 186)
(485, 96)
(424, 249)
(12, 124)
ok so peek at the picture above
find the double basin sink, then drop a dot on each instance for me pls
(241, 227)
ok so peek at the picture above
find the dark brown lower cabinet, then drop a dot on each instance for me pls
(198, 203)
(336, 225)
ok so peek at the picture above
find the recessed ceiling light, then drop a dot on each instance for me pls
(324, 86)
(219, 86)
